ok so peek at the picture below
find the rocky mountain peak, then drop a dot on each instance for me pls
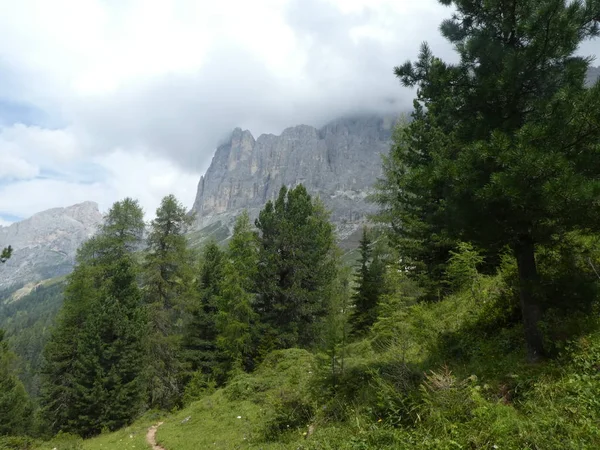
(45, 244)
(338, 162)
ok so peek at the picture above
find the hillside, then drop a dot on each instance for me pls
(449, 375)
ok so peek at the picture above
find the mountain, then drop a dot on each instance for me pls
(338, 162)
(592, 75)
(45, 244)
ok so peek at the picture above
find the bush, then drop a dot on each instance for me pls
(199, 386)
(16, 443)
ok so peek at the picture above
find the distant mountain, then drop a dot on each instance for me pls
(592, 75)
(338, 162)
(45, 244)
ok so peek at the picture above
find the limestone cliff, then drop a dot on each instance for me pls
(45, 244)
(339, 162)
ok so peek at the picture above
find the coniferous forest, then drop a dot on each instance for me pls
(469, 319)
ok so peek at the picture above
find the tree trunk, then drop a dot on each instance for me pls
(530, 296)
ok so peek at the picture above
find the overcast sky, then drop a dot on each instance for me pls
(102, 99)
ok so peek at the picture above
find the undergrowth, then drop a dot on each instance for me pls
(445, 375)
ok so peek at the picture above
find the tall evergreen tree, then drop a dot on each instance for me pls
(369, 285)
(503, 149)
(95, 358)
(167, 286)
(295, 268)
(413, 221)
(236, 317)
(200, 334)
(15, 406)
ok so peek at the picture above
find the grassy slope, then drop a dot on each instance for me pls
(449, 375)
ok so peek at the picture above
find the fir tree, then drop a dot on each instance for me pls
(295, 268)
(200, 335)
(236, 317)
(167, 285)
(95, 358)
(412, 221)
(15, 406)
(369, 285)
(502, 150)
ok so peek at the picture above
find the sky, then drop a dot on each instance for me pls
(103, 99)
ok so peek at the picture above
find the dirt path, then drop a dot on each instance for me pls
(151, 437)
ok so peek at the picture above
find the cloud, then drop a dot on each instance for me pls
(269, 66)
(100, 99)
(124, 174)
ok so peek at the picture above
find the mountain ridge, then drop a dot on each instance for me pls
(338, 162)
(45, 244)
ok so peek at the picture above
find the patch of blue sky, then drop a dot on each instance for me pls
(81, 173)
(5, 217)
(12, 112)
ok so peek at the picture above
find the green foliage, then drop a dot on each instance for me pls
(27, 323)
(408, 211)
(369, 285)
(236, 317)
(6, 254)
(167, 286)
(336, 329)
(502, 150)
(199, 339)
(96, 354)
(295, 269)
(17, 443)
(462, 267)
(15, 406)
(199, 386)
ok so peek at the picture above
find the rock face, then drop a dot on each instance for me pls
(44, 246)
(339, 162)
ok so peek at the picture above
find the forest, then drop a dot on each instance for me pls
(470, 319)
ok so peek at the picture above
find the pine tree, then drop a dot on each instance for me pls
(15, 405)
(95, 358)
(414, 225)
(167, 287)
(236, 317)
(6, 254)
(369, 286)
(337, 325)
(200, 334)
(502, 150)
(295, 269)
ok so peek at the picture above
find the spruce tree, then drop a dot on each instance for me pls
(369, 285)
(167, 287)
(200, 334)
(295, 269)
(503, 147)
(413, 223)
(95, 358)
(236, 318)
(15, 405)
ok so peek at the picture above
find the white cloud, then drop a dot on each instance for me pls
(14, 167)
(125, 174)
(139, 92)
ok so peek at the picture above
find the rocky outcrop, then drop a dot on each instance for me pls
(339, 163)
(45, 244)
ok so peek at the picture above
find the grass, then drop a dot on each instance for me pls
(128, 438)
(446, 375)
